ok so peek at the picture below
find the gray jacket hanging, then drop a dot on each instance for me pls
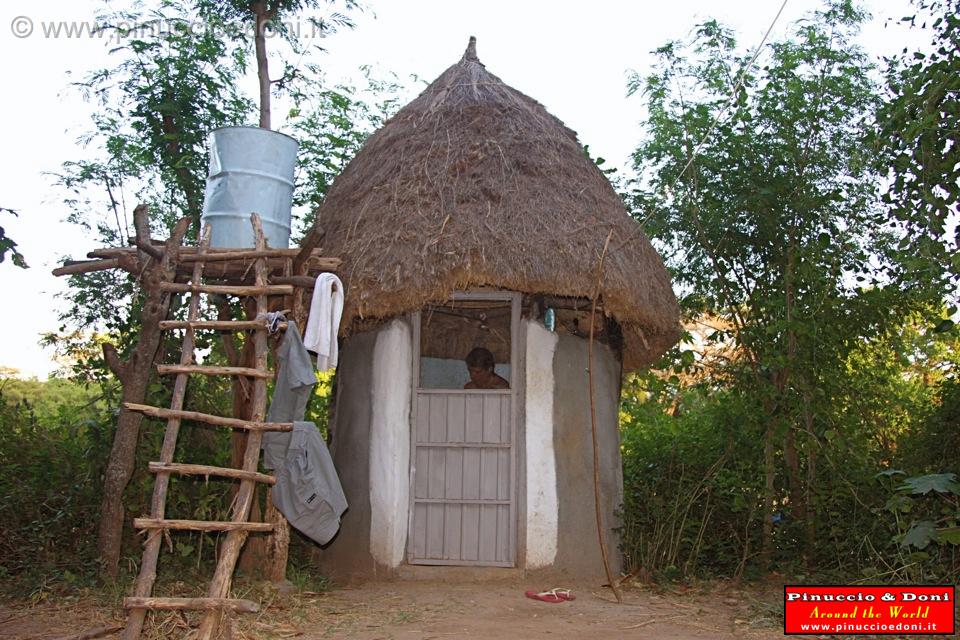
(308, 491)
(295, 382)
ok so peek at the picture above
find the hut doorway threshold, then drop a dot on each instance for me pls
(464, 454)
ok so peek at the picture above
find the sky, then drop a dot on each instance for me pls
(572, 57)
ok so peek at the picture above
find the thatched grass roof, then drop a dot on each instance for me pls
(474, 184)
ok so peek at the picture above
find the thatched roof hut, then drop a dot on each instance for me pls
(474, 184)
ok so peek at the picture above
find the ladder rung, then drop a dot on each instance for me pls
(234, 290)
(229, 325)
(167, 369)
(226, 604)
(234, 423)
(205, 470)
(200, 525)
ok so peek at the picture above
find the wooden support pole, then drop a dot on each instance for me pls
(303, 282)
(218, 255)
(601, 530)
(247, 372)
(142, 225)
(135, 377)
(307, 247)
(201, 525)
(230, 290)
(73, 267)
(230, 550)
(151, 552)
(206, 604)
(222, 325)
(233, 423)
(206, 470)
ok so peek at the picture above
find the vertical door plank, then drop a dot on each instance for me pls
(488, 533)
(438, 418)
(474, 418)
(420, 474)
(471, 531)
(423, 417)
(419, 532)
(491, 418)
(506, 412)
(503, 474)
(456, 418)
(488, 474)
(471, 474)
(503, 533)
(452, 534)
(436, 472)
(453, 481)
(435, 524)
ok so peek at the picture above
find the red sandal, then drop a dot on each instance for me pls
(553, 595)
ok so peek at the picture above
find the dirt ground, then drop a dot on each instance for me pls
(421, 609)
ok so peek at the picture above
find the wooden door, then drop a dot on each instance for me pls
(463, 476)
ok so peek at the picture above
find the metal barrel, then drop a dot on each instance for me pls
(251, 170)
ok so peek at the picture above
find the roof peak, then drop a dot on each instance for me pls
(471, 52)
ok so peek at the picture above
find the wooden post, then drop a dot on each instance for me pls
(134, 375)
(148, 566)
(230, 550)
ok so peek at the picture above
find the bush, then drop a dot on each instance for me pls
(49, 493)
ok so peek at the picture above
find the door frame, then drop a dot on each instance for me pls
(517, 388)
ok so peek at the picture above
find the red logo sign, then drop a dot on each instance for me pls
(868, 610)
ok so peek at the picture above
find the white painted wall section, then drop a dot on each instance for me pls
(542, 505)
(390, 443)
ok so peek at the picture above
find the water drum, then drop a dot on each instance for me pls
(251, 170)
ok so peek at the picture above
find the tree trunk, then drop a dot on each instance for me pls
(134, 375)
(261, 17)
(798, 505)
(810, 530)
(769, 495)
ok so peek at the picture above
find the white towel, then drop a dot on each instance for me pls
(323, 323)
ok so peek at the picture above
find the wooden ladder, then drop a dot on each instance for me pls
(237, 529)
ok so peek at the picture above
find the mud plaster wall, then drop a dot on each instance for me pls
(371, 439)
(578, 551)
(541, 490)
(349, 552)
(390, 443)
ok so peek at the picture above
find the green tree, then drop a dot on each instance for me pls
(755, 183)
(264, 15)
(917, 132)
(171, 84)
